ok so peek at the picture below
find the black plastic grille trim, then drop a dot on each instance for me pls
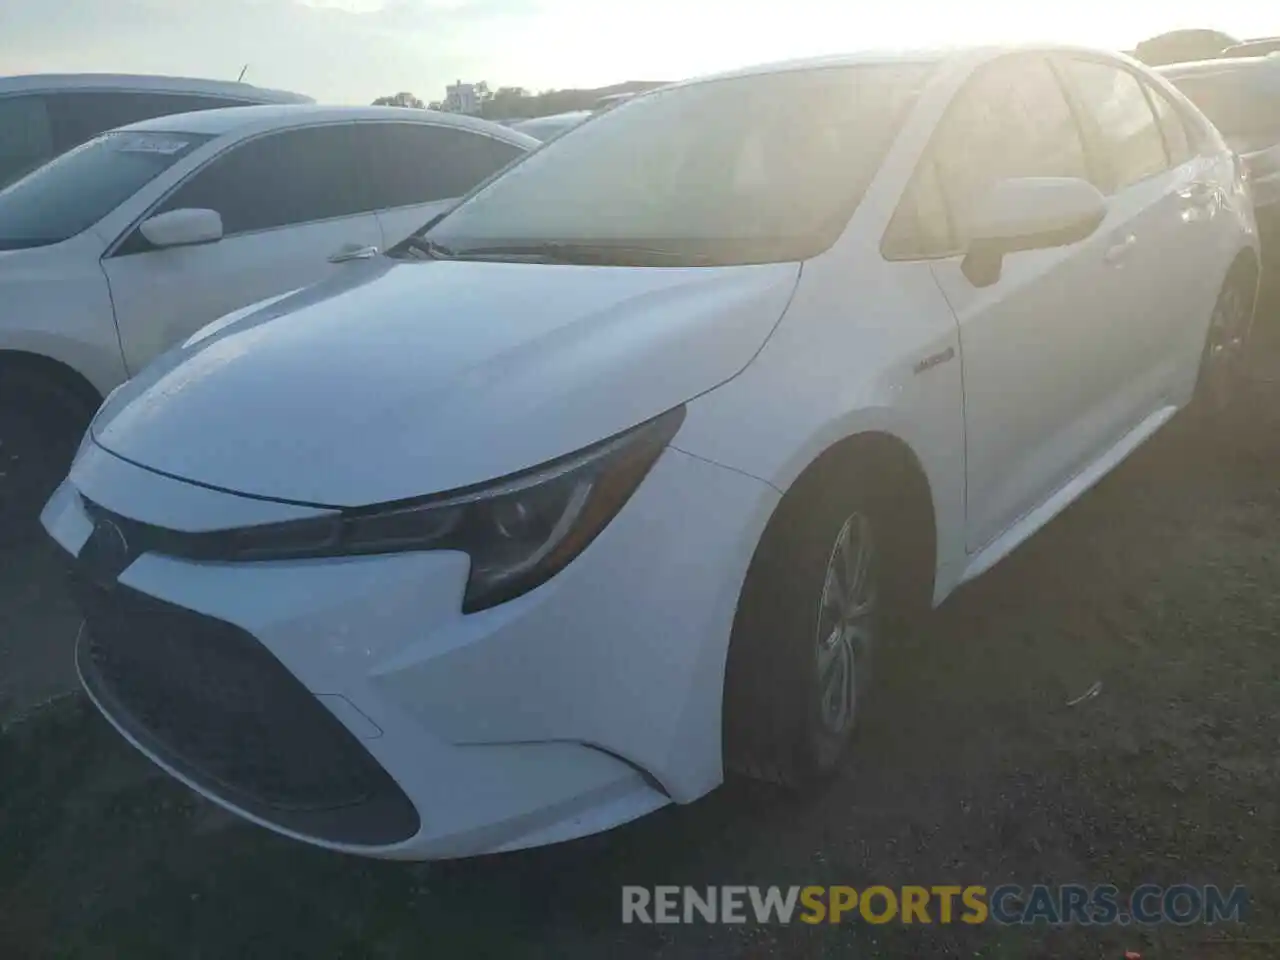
(207, 699)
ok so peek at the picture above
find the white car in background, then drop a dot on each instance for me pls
(554, 124)
(614, 477)
(45, 114)
(551, 126)
(131, 242)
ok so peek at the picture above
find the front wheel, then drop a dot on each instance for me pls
(800, 653)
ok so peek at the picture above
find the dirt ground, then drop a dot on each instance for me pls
(970, 769)
(38, 626)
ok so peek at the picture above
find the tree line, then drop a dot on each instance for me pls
(517, 103)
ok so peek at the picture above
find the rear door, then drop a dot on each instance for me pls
(415, 170)
(292, 213)
(1041, 368)
(1203, 177)
(1160, 200)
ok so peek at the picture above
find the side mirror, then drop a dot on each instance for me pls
(1029, 213)
(183, 228)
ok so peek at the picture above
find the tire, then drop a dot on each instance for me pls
(784, 717)
(41, 424)
(1221, 401)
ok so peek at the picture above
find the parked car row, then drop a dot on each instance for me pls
(613, 475)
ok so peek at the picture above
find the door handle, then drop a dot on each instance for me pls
(1117, 253)
(354, 253)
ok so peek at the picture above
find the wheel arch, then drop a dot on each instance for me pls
(872, 462)
(889, 463)
(66, 377)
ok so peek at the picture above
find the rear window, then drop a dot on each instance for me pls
(79, 188)
(405, 164)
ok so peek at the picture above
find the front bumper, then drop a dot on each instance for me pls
(349, 703)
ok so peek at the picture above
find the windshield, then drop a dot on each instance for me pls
(743, 170)
(76, 190)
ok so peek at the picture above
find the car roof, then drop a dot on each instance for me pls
(855, 58)
(55, 82)
(923, 57)
(248, 120)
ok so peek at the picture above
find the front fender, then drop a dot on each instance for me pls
(55, 303)
(865, 347)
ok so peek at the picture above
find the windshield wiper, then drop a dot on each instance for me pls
(423, 249)
(594, 254)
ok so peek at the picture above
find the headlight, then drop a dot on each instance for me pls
(519, 531)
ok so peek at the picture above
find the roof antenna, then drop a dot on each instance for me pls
(242, 73)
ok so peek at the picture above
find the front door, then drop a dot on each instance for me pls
(291, 216)
(1042, 375)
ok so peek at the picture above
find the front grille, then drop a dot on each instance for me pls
(209, 700)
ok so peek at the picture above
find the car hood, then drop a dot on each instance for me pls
(399, 379)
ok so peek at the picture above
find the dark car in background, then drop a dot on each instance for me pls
(43, 115)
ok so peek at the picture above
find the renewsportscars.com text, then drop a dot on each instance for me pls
(1008, 904)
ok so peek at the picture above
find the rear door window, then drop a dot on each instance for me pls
(26, 140)
(404, 164)
(1123, 121)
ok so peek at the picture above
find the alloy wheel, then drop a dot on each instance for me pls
(845, 623)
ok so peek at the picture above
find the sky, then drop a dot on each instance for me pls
(351, 51)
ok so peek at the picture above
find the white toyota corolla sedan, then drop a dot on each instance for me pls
(608, 480)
